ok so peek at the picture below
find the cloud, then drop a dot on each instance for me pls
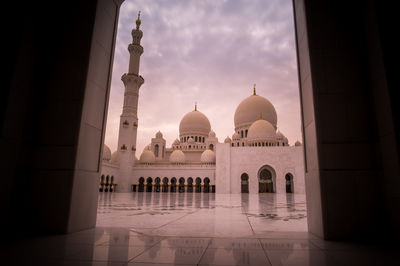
(211, 52)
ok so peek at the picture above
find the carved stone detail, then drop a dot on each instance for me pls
(135, 48)
(129, 78)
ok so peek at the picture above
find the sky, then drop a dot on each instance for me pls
(211, 52)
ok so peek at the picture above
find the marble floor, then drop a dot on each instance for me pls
(195, 229)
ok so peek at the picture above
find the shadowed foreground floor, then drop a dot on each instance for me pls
(195, 229)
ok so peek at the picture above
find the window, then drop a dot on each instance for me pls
(156, 150)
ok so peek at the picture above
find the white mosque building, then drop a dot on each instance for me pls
(257, 159)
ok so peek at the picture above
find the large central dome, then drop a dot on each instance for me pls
(194, 122)
(249, 110)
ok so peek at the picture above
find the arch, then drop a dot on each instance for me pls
(173, 184)
(157, 184)
(112, 183)
(156, 147)
(241, 133)
(101, 188)
(244, 180)
(289, 183)
(266, 179)
(245, 133)
(190, 184)
(198, 184)
(206, 181)
(211, 146)
(195, 138)
(149, 185)
(165, 184)
(181, 187)
(141, 184)
(107, 184)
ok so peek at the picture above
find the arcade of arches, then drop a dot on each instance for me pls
(174, 185)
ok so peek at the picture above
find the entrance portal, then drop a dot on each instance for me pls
(265, 182)
(244, 179)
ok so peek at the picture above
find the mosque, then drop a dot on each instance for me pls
(257, 159)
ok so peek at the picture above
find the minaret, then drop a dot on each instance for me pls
(129, 120)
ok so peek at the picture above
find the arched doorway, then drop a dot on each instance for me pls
(112, 184)
(101, 183)
(165, 184)
(173, 184)
(206, 185)
(198, 184)
(141, 184)
(244, 180)
(149, 185)
(181, 185)
(107, 180)
(190, 185)
(266, 180)
(157, 185)
(289, 183)
(211, 146)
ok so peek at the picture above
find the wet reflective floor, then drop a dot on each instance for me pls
(203, 214)
(195, 229)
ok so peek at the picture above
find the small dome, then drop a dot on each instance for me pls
(194, 122)
(177, 156)
(297, 143)
(227, 140)
(159, 135)
(208, 156)
(261, 130)
(147, 156)
(176, 142)
(235, 136)
(211, 134)
(114, 157)
(106, 153)
(190, 141)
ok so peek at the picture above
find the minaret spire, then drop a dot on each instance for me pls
(138, 21)
(129, 119)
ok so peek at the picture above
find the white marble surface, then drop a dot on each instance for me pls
(203, 214)
(195, 229)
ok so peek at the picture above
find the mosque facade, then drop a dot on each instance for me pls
(256, 159)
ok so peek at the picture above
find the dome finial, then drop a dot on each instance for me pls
(195, 106)
(138, 21)
(261, 118)
(254, 90)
